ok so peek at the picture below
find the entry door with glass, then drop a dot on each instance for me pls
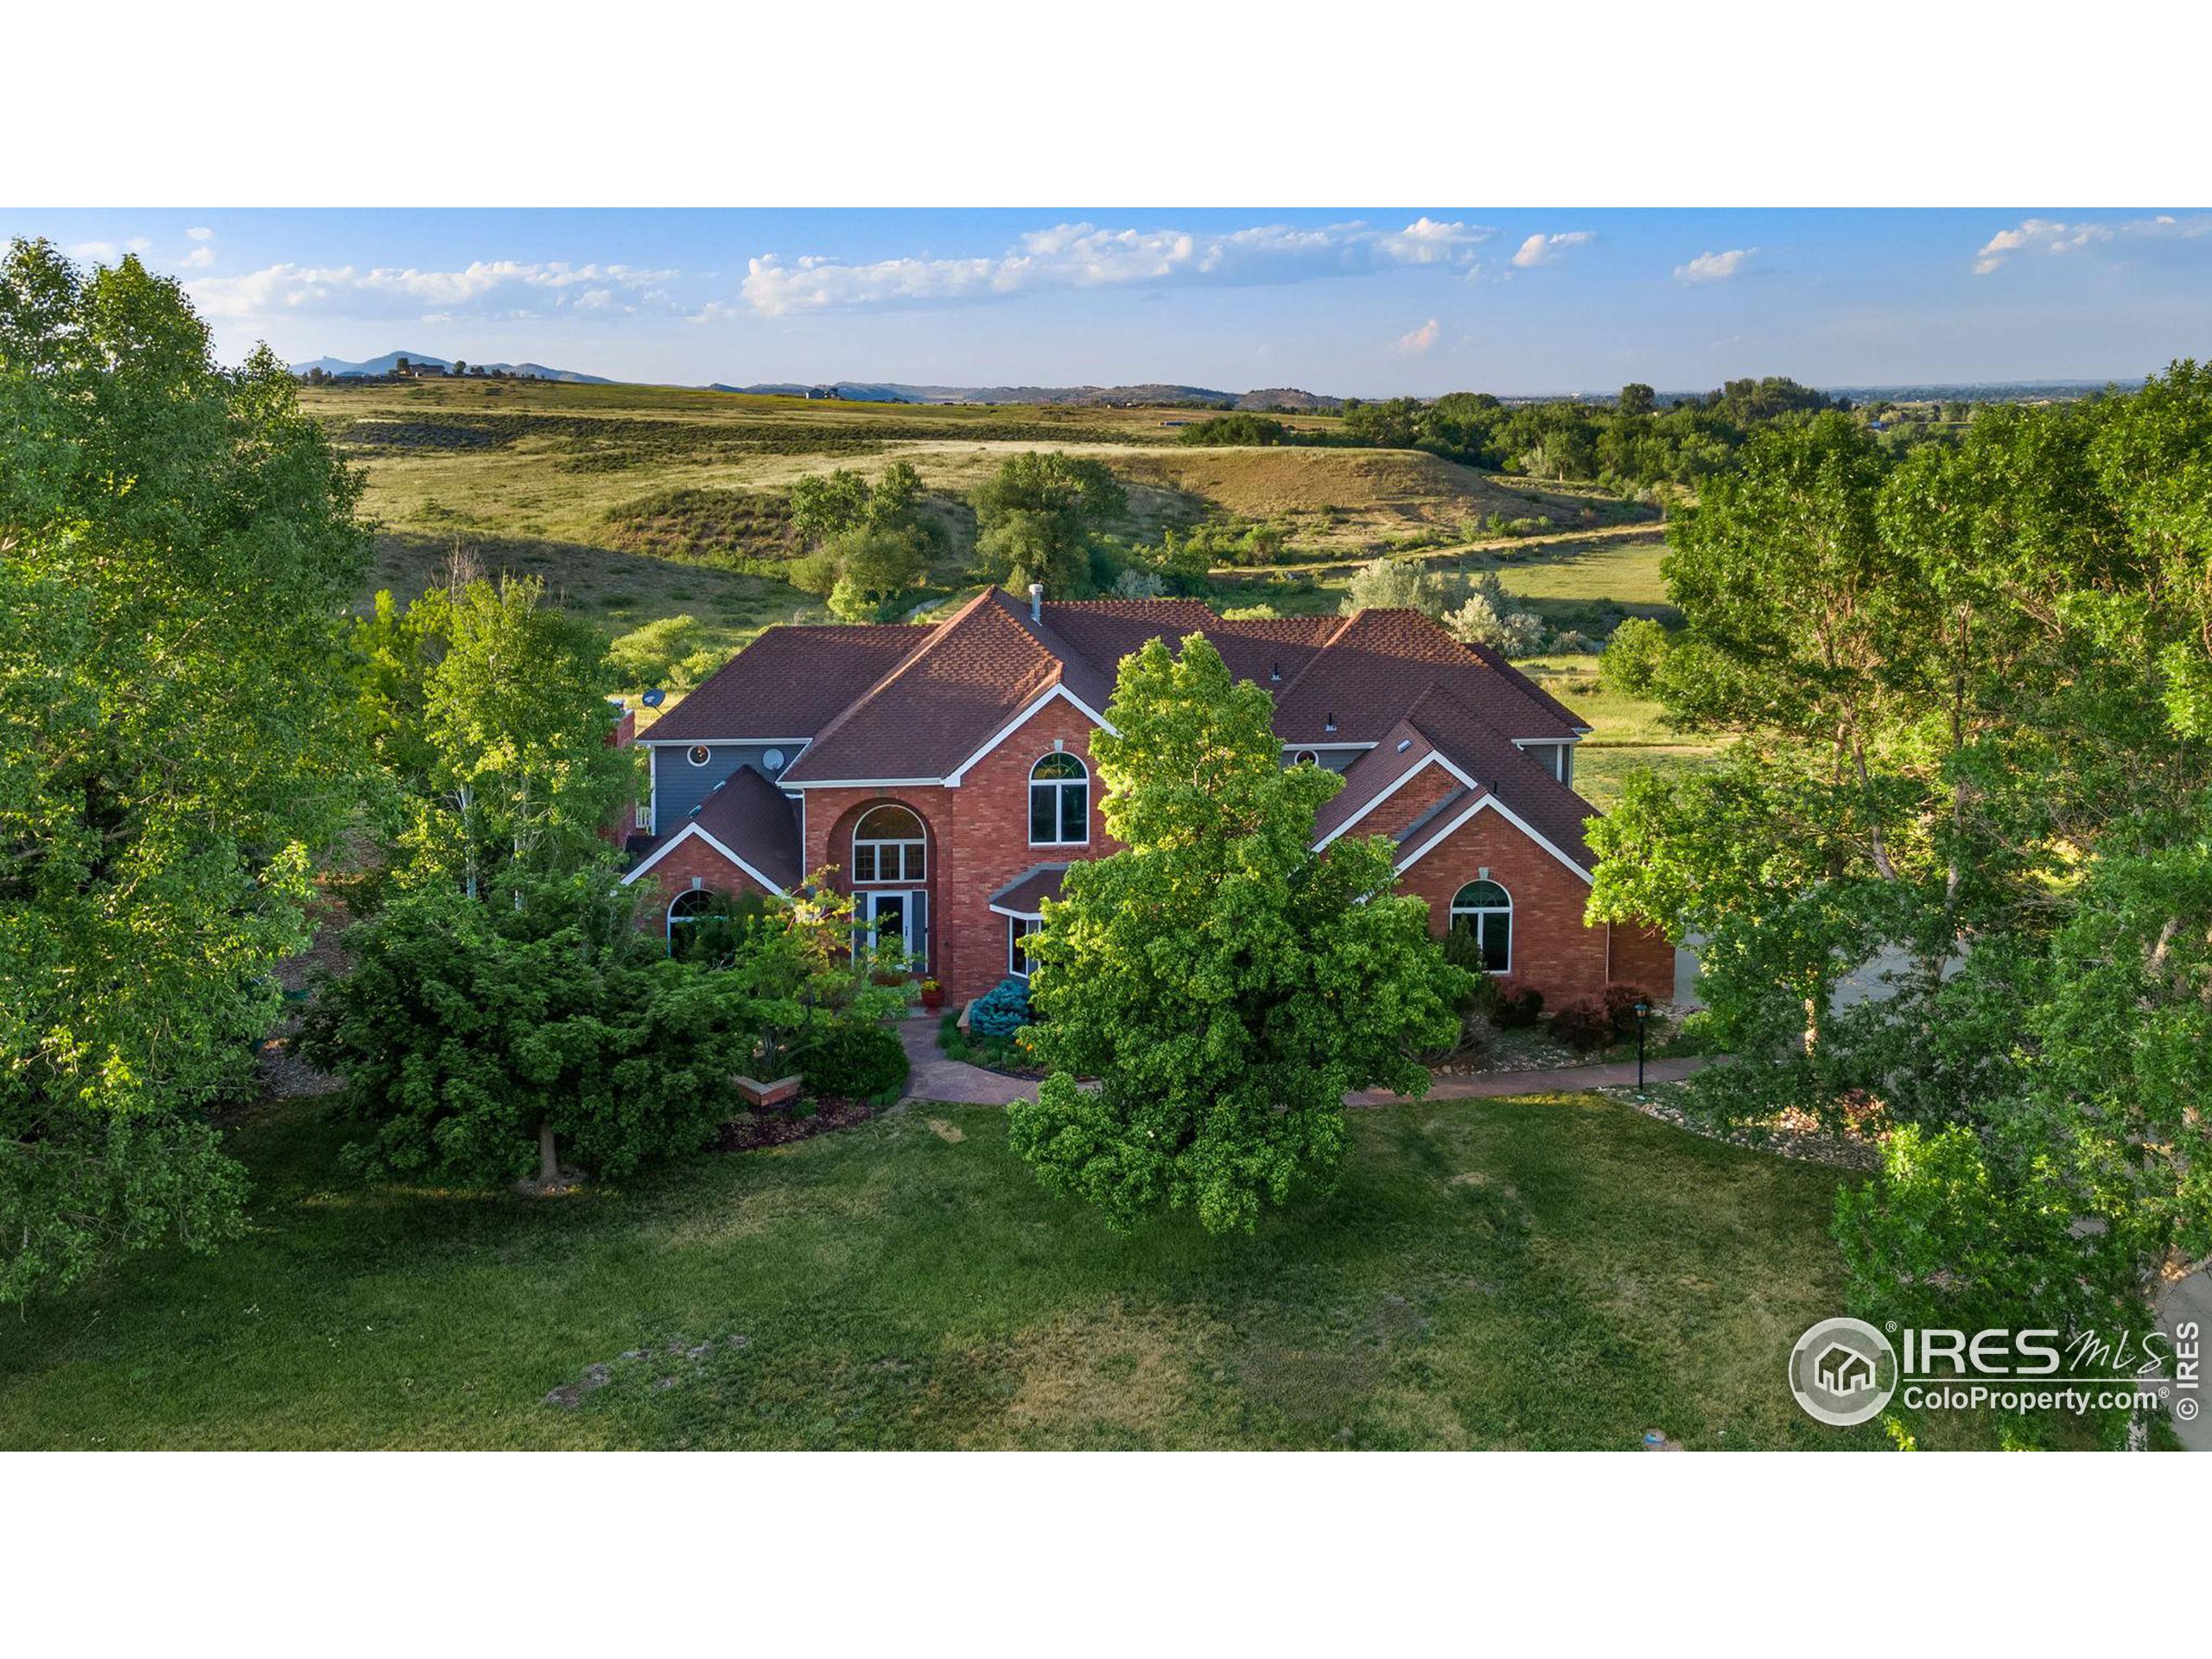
(896, 923)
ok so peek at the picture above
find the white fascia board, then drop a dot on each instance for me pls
(803, 785)
(1017, 915)
(1434, 757)
(684, 834)
(951, 779)
(1490, 803)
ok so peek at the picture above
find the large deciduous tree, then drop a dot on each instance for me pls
(1225, 982)
(1038, 518)
(177, 548)
(491, 714)
(1970, 688)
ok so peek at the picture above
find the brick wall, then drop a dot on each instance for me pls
(658, 888)
(1553, 949)
(1430, 786)
(1642, 957)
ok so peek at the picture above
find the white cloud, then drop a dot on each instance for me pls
(1541, 250)
(200, 233)
(1081, 256)
(200, 258)
(138, 244)
(2055, 236)
(97, 253)
(1420, 340)
(487, 288)
(1714, 267)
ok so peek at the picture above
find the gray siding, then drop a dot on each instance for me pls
(679, 786)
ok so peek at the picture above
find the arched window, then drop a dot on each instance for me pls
(686, 909)
(1059, 801)
(1485, 910)
(889, 845)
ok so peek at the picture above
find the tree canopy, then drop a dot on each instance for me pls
(177, 546)
(1204, 973)
(1969, 683)
(1038, 518)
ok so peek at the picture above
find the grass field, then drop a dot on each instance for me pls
(1544, 1272)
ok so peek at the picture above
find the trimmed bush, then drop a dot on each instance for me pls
(1000, 1010)
(1519, 1003)
(1621, 999)
(1583, 1022)
(851, 1061)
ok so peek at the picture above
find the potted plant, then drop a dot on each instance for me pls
(932, 995)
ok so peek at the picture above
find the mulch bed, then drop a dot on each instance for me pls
(1791, 1135)
(757, 1129)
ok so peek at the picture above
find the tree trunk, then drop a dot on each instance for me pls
(549, 1168)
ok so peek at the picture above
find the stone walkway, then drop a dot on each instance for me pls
(937, 1077)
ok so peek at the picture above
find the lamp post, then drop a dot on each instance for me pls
(1643, 1016)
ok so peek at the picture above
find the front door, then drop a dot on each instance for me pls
(895, 923)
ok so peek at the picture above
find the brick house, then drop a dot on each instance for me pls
(941, 773)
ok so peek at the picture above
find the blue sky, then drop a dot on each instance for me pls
(1367, 301)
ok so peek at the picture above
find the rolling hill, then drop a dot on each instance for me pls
(389, 361)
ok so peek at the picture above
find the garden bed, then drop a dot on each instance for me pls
(757, 1129)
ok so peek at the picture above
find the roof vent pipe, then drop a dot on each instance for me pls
(1275, 670)
(1329, 723)
(1036, 601)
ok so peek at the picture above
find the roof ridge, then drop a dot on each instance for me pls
(1319, 651)
(922, 647)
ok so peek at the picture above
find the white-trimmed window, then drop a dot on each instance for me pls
(1059, 801)
(1019, 928)
(1485, 910)
(698, 754)
(889, 845)
(1306, 757)
(686, 910)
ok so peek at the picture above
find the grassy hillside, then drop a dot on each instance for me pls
(640, 502)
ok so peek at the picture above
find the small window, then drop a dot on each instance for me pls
(687, 909)
(1306, 757)
(1485, 910)
(1059, 801)
(698, 754)
(1019, 928)
(773, 761)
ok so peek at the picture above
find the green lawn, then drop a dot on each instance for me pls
(1553, 1272)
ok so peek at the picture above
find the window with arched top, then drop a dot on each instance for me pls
(686, 909)
(1485, 910)
(889, 845)
(1059, 801)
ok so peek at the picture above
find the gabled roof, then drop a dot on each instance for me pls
(976, 671)
(789, 683)
(1371, 668)
(748, 820)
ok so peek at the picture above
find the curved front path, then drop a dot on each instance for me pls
(935, 1076)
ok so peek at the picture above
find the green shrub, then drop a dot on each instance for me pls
(1621, 999)
(1632, 656)
(852, 1061)
(1003, 1010)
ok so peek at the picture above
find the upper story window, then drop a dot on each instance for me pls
(1485, 910)
(773, 761)
(698, 754)
(1059, 801)
(687, 909)
(1306, 757)
(889, 845)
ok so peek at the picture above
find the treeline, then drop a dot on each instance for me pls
(1632, 445)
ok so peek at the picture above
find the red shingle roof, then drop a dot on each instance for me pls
(791, 681)
(902, 703)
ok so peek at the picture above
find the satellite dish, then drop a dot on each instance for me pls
(654, 698)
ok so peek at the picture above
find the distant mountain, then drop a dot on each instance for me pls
(1287, 397)
(389, 361)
